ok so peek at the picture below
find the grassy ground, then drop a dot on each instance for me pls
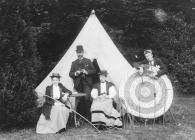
(183, 109)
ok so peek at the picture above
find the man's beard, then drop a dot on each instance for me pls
(80, 57)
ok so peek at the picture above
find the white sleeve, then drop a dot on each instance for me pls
(94, 93)
(112, 92)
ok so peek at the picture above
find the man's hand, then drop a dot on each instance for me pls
(153, 75)
(77, 72)
(84, 71)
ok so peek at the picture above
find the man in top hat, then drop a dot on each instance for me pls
(82, 71)
(154, 64)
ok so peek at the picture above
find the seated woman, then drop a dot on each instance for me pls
(55, 112)
(103, 113)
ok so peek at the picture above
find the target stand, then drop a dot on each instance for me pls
(146, 97)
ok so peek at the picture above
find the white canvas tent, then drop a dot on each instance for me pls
(97, 44)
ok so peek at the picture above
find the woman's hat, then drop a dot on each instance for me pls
(103, 72)
(55, 75)
(79, 49)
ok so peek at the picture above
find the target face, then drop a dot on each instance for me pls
(146, 97)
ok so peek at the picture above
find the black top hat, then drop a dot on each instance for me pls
(103, 72)
(79, 49)
(55, 75)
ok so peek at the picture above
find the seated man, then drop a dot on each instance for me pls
(154, 66)
(103, 113)
(55, 112)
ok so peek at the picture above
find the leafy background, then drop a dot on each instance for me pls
(35, 34)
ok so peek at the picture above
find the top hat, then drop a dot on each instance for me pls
(103, 72)
(79, 49)
(147, 51)
(55, 75)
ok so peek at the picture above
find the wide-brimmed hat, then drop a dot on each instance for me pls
(55, 75)
(147, 51)
(79, 49)
(103, 72)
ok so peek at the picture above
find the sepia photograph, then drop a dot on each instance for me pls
(97, 69)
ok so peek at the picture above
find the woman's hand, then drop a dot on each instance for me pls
(153, 76)
(65, 97)
(103, 96)
(40, 101)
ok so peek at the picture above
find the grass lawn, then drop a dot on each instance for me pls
(183, 109)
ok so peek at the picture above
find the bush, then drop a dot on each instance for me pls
(19, 69)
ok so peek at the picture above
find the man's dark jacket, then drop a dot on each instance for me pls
(157, 61)
(83, 64)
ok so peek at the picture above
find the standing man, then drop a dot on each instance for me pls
(81, 72)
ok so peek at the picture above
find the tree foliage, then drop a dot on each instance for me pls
(19, 66)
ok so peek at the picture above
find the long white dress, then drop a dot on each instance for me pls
(102, 110)
(58, 117)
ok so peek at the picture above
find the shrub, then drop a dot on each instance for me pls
(19, 68)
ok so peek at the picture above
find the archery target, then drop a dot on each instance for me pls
(146, 97)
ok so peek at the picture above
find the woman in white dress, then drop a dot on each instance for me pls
(55, 112)
(103, 114)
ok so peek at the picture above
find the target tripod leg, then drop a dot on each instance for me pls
(138, 96)
(145, 122)
(154, 121)
(139, 108)
(163, 119)
(164, 114)
(130, 119)
(172, 116)
(154, 106)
